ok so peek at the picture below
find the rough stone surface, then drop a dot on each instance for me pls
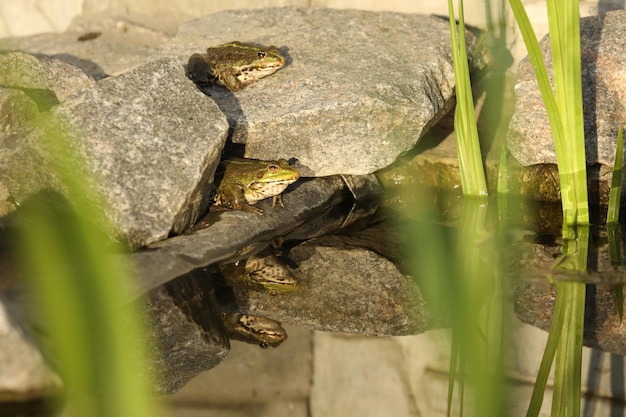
(28, 72)
(156, 151)
(604, 96)
(29, 87)
(251, 376)
(352, 97)
(124, 42)
(344, 288)
(151, 140)
(24, 373)
(187, 332)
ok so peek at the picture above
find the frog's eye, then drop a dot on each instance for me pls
(261, 54)
(272, 168)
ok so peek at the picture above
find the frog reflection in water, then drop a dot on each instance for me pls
(248, 181)
(234, 65)
(256, 330)
(261, 272)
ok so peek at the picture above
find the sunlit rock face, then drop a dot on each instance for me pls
(603, 60)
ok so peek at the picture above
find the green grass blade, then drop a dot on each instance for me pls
(567, 379)
(616, 181)
(564, 22)
(503, 172)
(454, 354)
(572, 169)
(95, 338)
(547, 359)
(467, 141)
(567, 372)
(612, 219)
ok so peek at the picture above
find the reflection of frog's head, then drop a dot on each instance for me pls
(254, 329)
(261, 272)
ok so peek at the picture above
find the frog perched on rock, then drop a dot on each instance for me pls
(234, 65)
(248, 181)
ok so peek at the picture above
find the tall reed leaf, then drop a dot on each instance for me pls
(564, 22)
(565, 114)
(465, 130)
(565, 108)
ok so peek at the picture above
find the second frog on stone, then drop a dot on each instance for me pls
(234, 65)
(248, 181)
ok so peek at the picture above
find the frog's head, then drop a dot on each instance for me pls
(268, 178)
(272, 172)
(248, 58)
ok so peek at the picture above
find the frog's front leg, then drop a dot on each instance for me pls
(232, 196)
(278, 199)
(231, 81)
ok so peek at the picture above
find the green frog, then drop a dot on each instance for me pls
(254, 329)
(248, 181)
(263, 271)
(235, 65)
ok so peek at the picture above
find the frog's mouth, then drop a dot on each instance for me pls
(254, 73)
(271, 184)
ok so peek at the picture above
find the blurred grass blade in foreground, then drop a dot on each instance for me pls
(78, 288)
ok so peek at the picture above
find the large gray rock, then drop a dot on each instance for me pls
(100, 44)
(359, 87)
(150, 140)
(153, 142)
(603, 59)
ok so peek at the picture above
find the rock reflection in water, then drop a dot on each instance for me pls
(345, 287)
(531, 271)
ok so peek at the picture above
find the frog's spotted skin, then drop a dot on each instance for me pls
(262, 272)
(234, 65)
(248, 181)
